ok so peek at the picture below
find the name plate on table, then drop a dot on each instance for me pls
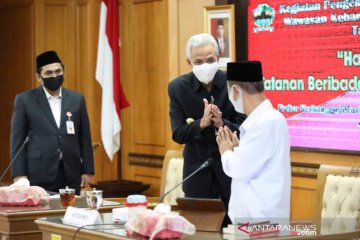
(81, 217)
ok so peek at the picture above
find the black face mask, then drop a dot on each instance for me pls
(53, 83)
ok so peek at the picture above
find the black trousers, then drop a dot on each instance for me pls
(61, 182)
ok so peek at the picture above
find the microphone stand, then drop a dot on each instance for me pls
(27, 139)
(206, 164)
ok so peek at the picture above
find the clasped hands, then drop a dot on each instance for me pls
(211, 114)
(226, 139)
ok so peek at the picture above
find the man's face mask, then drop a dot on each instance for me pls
(205, 72)
(238, 103)
(53, 83)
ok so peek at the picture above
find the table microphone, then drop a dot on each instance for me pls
(206, 164)
(27, 139)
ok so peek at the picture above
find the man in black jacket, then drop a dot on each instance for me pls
(199, 105)
(60, 152)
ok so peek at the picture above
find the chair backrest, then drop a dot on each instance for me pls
(338, 199)
(172, 174)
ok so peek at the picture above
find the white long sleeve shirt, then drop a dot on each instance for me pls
(260, 168)
(55, 105)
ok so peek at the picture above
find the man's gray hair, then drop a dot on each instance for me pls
(202, 39)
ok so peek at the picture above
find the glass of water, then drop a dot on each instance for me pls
(94, 198)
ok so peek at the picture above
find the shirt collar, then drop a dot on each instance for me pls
(197, 84)
(49, 96)
(256, 114)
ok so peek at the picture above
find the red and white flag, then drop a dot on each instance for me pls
(108, 75)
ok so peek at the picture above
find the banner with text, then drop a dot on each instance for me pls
(310, 51)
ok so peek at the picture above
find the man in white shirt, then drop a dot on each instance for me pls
(258, 163)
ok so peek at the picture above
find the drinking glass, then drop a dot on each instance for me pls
(67, 196)
(94, 198)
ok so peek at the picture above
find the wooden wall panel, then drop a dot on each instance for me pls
(150, 176)
(59, 26)
(83, 61)
(150, 69)
(55, 24)
(344, 159)
(143, 72)
(16, 73)
(173, 54)
(302, 198)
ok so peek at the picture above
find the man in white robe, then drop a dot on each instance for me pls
(258, 163)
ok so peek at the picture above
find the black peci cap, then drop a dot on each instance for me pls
(220, 22)
(46, 58)
(246, 71)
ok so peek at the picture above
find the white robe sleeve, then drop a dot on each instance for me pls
(254, 150)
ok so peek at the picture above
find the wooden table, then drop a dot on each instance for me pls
(53, 228)
(17, 223)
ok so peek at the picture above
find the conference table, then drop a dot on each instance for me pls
(18, 223)
(53, 229)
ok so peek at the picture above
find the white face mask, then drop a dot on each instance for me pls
(205, 72)
(238, 104)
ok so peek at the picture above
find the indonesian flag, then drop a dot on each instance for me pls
(108, 75)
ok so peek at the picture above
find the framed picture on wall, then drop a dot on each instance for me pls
(219, 21)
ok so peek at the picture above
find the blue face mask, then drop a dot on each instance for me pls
(53, 83)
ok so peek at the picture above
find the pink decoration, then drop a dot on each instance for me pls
(22, 196)
(160, 226)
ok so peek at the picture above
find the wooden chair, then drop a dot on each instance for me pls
(172, 174)
(337, 201)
